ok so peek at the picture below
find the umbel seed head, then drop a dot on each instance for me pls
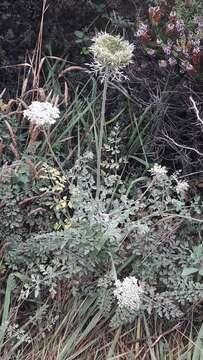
(111, 54)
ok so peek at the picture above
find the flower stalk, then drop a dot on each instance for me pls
(101, 134)
(111, 54)
(42, 115)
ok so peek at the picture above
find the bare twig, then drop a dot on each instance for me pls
(196, 110)
(183, 146)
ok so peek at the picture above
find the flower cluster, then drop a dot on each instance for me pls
(158, 170)
(182, 187)
(155, 14)
(128, 293)
(168, 47)
(143, 33)
(42, 113)
(111, 55)
(167, 38)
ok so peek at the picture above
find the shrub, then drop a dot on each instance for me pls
(173, 38)
(133, 231)
(169, 63)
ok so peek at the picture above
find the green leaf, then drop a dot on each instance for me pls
(9, 287)
(201, 271)
(79, 34)
(189, 271)
(198, 349)
(198, 251)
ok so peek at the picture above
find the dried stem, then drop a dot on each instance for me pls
(51, 150)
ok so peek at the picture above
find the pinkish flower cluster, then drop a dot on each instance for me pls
(143, 33)
(180, 26)
(172, 61)
(168, 48)
(168, 40)
(199, 22)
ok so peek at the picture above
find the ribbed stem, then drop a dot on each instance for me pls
(101, 135)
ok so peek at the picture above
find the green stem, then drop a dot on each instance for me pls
(51, 150)
(101, 134)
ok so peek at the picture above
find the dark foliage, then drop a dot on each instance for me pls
(20, 24)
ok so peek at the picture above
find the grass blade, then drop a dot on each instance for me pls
(7, 300)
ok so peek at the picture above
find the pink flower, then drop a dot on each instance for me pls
(173, 16)
(170, 28)
(172, 61)
(162, 63)
(155, 14)
(180, 26)
(167, 48)
(177, 48)
(151, 52)
(189, 68)
(142, 30)
(196, 56)
(143, 33)
(196, 50)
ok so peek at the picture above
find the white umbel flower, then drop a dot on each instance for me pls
(182, 187)
(158, 170)
(111, 55)
(128, 293)
(42, 113)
